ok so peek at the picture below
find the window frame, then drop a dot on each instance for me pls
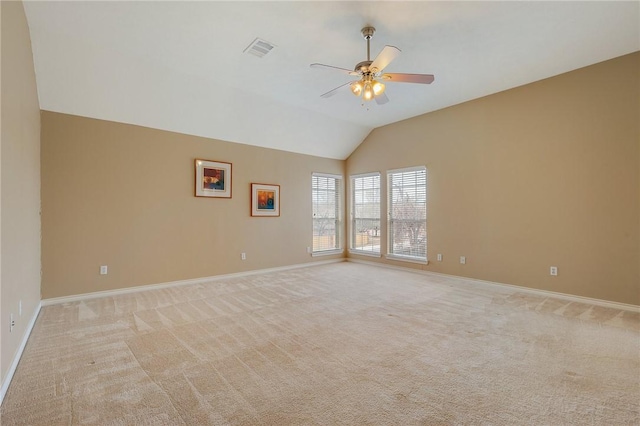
(352, 214)
(338, 220)
(390, 206)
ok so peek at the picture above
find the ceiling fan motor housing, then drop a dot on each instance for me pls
(363, 67)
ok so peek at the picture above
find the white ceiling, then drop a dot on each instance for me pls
(180, 66)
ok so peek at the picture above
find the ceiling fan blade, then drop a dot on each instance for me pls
(333, 91)
(408, 78)
(384, 58)
(382, 99)
(331, 67)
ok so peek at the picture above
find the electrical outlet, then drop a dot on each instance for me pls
(463, 260)
(243, 256)
(103, 270)
(20, 308)
(553, 270)
(12, 323)
(439, 257)
(309, 250)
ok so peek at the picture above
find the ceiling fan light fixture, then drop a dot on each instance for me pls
(367, 93)
(356, 88)
(378, 88)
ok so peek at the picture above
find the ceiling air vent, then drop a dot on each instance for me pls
(259, 48)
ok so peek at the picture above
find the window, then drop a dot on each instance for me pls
(407, 203)
(326, 195)
(365, 214)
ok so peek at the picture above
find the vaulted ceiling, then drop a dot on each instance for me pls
(181, 66)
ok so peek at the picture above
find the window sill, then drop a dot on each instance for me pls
(327, 252)
(363, 253)
(407, 259)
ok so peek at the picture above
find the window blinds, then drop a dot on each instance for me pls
(365, 213)
(407, 204)
(326, 193)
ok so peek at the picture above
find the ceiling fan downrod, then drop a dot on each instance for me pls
(367, 33)
(363, 67)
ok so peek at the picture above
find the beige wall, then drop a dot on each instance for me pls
(544, 174)
(123, 196)
(20, 182)
(2, 374)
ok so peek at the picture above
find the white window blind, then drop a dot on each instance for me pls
(326, 194)
(407, 203)
(365, 213)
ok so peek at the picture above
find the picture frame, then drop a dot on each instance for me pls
(265, 200)
(213, 178)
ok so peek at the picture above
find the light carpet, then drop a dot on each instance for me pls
(334, 344)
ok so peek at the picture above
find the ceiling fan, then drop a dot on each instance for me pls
(370, 72)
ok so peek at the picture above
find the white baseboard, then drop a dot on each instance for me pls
(121, 291)
(545, 293)
(16, 359)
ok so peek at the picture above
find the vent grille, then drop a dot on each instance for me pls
(259, 48)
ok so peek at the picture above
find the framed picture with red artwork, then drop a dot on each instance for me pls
(213, 179)
(265, 200)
